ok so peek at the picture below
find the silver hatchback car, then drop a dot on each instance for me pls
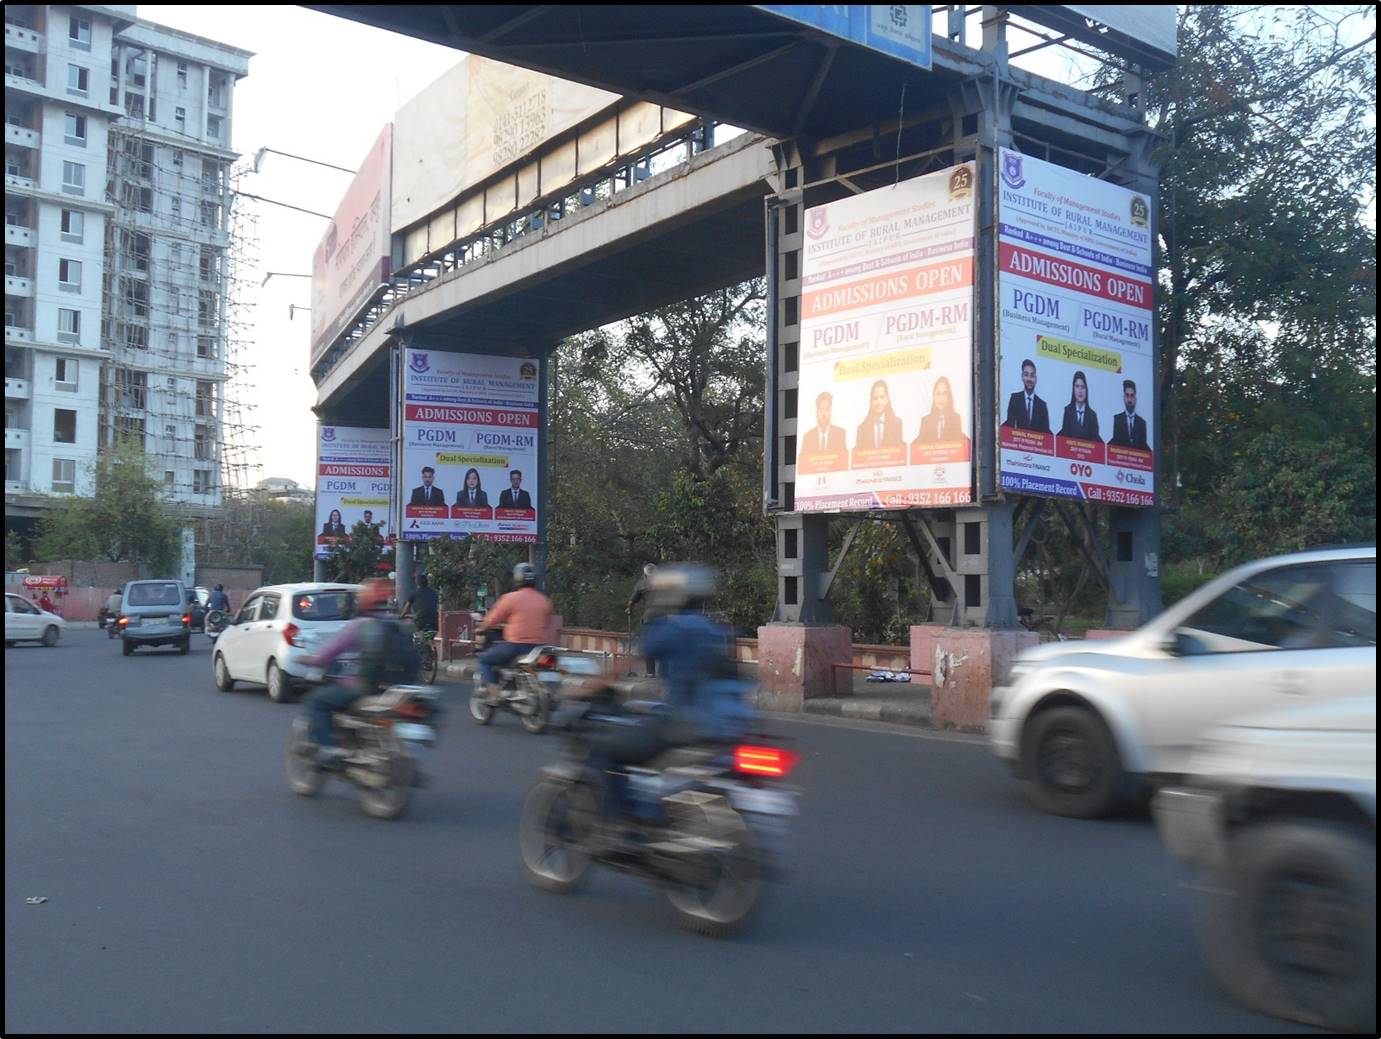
(154, 613)
(277, 627)
(1091, 722)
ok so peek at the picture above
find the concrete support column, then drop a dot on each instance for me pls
(1134, 568)
(796, 662)
(318, 570)
(402, 565)
(965, 664)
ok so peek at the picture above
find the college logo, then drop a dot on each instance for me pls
(939, 474)
(417, 361)
(1011, 171)
(960, 183)
(328, 433)
(528, 370)
(1141, 212)
(818, 222)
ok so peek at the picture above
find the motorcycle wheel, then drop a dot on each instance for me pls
(555, 825)
(735, 880)
(389, 802)
(304, 777)
(536, 722)
(480, 711)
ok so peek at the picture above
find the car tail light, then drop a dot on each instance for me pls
(186, 618)
(123, 622)
(290, 633)
(764, 761)
(546, 661)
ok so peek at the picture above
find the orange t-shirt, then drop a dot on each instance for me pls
(525, 614)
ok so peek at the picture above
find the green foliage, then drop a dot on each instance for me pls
(14, 550)
(354, 560)
(457, 569)
(124, 521)
(287, 536)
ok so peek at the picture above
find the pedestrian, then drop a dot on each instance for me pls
(640, 595)
(45, 603)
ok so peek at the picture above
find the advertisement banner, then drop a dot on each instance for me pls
(470, 429)
(886, 385)
(352, 261)
(1075, 310)
(353, 484)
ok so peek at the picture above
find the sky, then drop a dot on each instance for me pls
(320, 87)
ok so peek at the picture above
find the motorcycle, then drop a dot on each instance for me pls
(530, 686)
(707, 823)
(384, 738)
(215, 623)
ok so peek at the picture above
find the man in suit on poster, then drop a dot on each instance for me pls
(823, 438)
(1024, 409)
(514, 497)
(428, 494)
(1129, 428)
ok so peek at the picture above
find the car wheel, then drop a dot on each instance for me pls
(125, 648)
(280, 685)
(1072, 763)
(1289, 927)
(223, 680)
(50, 635)
(185, 645)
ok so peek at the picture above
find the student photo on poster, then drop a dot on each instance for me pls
(428, 494)
(1024, 409)
(882, 427)
(333, 527)
(1129, 428)
(1080, 420)
(944, 422)
(472, 495)
(823, 442)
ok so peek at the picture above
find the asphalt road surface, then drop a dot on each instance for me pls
(188, 890)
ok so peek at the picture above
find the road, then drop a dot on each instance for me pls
(188, 890)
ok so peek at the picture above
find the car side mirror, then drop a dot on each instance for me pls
(1182, 644)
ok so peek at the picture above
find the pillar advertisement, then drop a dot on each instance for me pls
(1075, 316)
(353, 485)
(886, 370)
(470, 428)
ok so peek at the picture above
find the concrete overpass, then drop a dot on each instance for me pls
(688, 230)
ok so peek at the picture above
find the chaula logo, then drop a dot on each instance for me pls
(418, 362)
(818, 223)
(1011, 171)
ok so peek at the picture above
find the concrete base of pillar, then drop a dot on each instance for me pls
(965, 664)
(796, 662)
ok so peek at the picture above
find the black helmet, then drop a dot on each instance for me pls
(421, 580)
(676, 587)
(524, 575)
(220, 587)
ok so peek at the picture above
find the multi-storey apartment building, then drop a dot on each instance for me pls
(117, 203)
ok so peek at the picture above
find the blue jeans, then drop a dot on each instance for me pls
(323, 703)
(502, 653)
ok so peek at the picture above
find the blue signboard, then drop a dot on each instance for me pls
(900, 31)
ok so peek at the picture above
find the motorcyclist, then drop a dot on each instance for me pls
(365, 636)
(218, 600)
(526, 617)
(705, 699)
(422, 605)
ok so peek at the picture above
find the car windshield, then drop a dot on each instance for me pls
(336, 604)
(157, 594)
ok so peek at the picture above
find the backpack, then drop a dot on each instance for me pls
(387, 655)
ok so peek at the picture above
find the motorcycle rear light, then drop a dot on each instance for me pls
(290, 633)
(546, 661)
(412, 709)
(186, 618)
(123, 621)
(764, 761)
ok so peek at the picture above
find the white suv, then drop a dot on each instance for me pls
(1090, 722)
(1280, 815)
(275, 628)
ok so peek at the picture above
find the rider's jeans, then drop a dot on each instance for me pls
(324, 702)
(502, 653)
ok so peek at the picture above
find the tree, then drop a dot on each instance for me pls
(457, 569)
(14, 550)
(125, 520)
(358, 557)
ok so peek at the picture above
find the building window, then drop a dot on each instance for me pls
(64, 426)
(133, 388)
(79, 34)
(201, 481)
(134, 105)
(169, 480)
(70, 275)
(177, 206)
(177, 157)
(210, 214)
(73, 225)
(206, 346)
(206, 400)
(215, 91)
(76, 130)
(201, 444)
(182, 75)
(73, 178)
(64, 476)
(180, 117)
(69, 326)
(65, 374)
(78, 80)
(130, 430)
(213, 127)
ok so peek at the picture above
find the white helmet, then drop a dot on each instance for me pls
(524, 575)
(647, 570)
(680, 586)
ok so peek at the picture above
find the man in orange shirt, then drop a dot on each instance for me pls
(525, 615)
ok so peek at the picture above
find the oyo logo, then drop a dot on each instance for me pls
(1081, 469)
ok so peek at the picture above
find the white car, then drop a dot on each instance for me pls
(26, 622)
(1089, 723)
(1280, 814)
(275, 629)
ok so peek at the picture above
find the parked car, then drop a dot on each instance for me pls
(1279, 814)
(1090, 723)
(278, 625)
(25, 622)
(154, 613)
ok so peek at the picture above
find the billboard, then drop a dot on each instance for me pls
(1075, 310)
(899, 30)
(886, 365)
(470, 429)
(352, 484)
(352, 260)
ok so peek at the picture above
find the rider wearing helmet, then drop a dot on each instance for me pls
(218, 600)
(364, 637)
(525, 615)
